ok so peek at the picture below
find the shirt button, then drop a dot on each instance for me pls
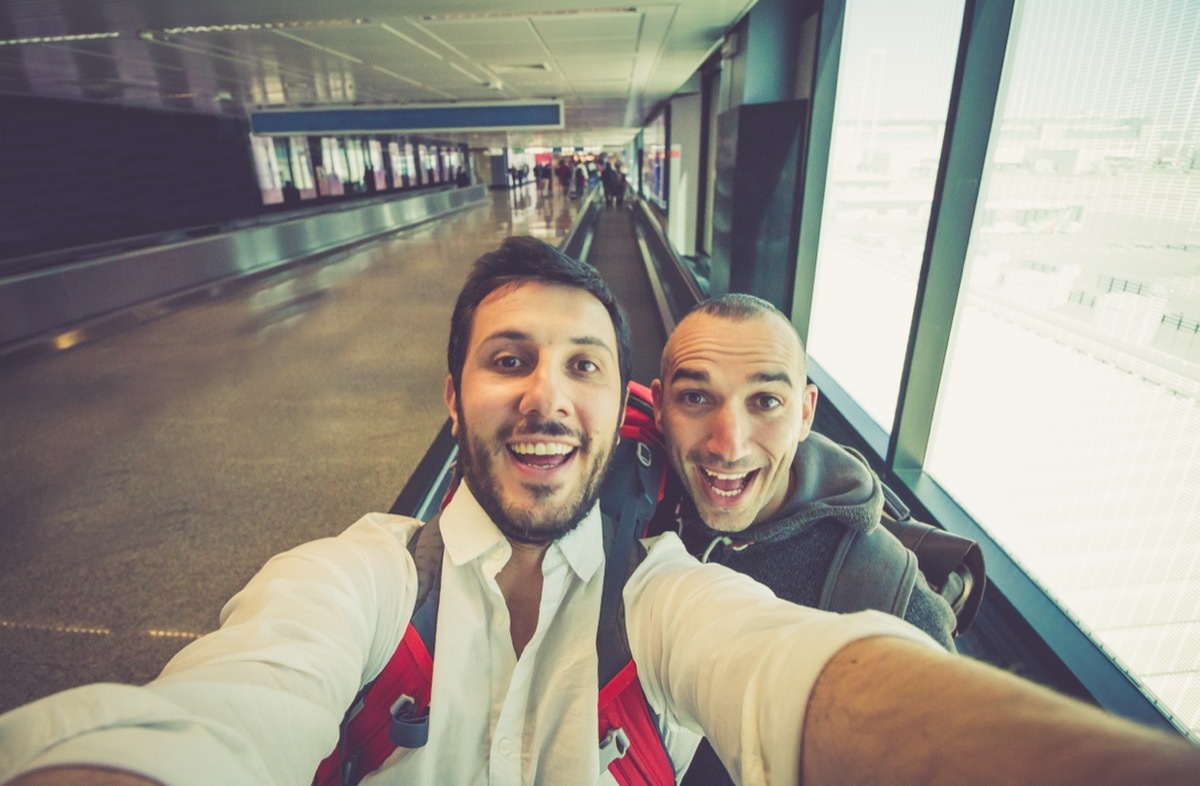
(506, 746)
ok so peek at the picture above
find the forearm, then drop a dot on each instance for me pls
(884, 710)
(81, 776)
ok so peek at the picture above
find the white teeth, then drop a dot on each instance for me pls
(541, 448)
(722, 476)
(727, 493)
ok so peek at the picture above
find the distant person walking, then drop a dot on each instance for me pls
(581, 180)
(608, 179)
(564, 175)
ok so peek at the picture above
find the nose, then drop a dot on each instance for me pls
(728, 434)
(545, 394)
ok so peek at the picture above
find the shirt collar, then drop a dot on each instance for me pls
(469, 533)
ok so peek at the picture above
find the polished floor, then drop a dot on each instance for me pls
(145, 476)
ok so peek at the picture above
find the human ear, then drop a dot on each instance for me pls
(452, 404)
(808, 410)
(656, 395)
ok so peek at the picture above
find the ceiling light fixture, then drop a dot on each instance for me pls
(57, 39)
(410, 40)
(523, 14)
(394, 75)
(468, 74)
(518, 68)
(266, 26)
(317, 46)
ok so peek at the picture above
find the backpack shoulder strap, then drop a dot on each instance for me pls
(426, 547)
(953, 565)
(870, 570)
(377, 720)
(631, 746)
(628, 498)
(623, 553)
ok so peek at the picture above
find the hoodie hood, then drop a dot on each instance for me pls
(831, 481)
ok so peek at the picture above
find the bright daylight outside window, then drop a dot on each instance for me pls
(893, 91)
(1068, 422)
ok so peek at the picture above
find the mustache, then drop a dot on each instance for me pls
(537, 426)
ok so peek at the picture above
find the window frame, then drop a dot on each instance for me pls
(974, 101)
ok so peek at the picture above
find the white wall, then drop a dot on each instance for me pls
(685, 173)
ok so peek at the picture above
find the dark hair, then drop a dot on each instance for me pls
(520, 260)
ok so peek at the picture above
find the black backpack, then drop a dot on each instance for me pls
(874, 571)
(866, 565)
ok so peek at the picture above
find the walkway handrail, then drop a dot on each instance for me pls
(37, 305)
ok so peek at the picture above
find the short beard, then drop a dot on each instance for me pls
(518, 525)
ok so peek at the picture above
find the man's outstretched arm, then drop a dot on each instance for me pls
(81, 776)
(885, 710)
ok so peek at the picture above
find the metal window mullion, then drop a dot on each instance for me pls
(973, 98)
(820, 136)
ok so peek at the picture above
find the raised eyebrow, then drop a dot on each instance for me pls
(505, 335)
(691, 374)
(520, 335)
(772, 376)
(593, 341)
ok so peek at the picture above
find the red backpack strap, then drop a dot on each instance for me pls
(393, 709)
(631, 748)
(630, 745)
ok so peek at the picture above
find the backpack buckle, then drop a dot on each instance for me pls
(614, 746)
(644, 454)
(409, 727)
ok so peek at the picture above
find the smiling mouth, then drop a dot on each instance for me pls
(726, 485)
(541, 455)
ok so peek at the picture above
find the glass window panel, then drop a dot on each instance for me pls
(1068, 422)
(893, 91)
(302, 167)
(266, 168)
(654, 160)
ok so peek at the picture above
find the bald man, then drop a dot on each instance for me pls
(767, 496)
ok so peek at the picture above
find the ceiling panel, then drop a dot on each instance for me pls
(605, 65)
(515, 33)
(594, 47)
(590, 68)
(600, 87)
(584, 27)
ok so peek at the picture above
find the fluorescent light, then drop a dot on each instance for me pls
(265, 26)
(57, 39)
(468, 74)
(510, 14)
(403, 37)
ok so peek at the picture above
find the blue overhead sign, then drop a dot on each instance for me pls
(442, 117)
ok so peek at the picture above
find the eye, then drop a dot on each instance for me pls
(693, 398)
(508, 362)
(767, 402)
(585, 366)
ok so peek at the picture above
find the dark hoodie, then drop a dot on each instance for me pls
(792, 552)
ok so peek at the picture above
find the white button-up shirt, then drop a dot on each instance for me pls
(259, 701)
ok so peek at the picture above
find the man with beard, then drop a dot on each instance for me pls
(539, 356)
